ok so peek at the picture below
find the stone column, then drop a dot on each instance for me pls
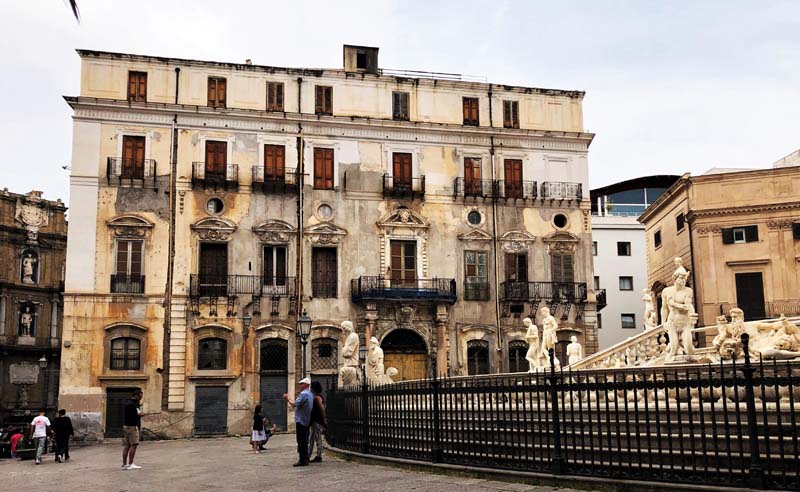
(441, 340)
(370, 316)
(53, 319)
(3, 315)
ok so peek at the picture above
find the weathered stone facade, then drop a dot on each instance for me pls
(33, 242)
(360, 189)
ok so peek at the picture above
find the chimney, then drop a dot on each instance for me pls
(248, 62)
(360, 59)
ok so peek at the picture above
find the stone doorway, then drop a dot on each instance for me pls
(406, 351)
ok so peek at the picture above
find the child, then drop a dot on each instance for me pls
(16, 436)
(268, 432)
(259, 435)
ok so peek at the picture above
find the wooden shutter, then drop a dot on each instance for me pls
(513, 178)
(401, 167)
(400, 105)
(507, 120)
(216, 158)
(216, 92)
(727, 236)
(563, 270)
(133, 157)
(751, 233)
(472, 175)
(137, 86)
(323, 99)
(470, 106)
(514, 114)
(274, 162)
(323, 169)
(269, 264)
(274, 96)
(280, 265)
(221, 92)
(522, 267)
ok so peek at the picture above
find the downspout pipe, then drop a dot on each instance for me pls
(494, 235)
(301, 185)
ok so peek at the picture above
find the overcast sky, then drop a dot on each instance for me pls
(671, 87)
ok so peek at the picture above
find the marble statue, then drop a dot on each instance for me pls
(549, 335)
(778, 340)
(532, 337)
(351, 343)
(25, 322)
(650, 315)
(727, 343)
(391, 374)
(349, 376)
(574, 350)
(22, 396)
(375, 369)
(28, 265)
(678, 313)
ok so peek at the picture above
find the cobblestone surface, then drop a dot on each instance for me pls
(226, 464)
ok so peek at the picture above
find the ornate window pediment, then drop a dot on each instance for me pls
(561, 242)
(130, 226)
(403, 217)
(275, 231)
(475, 235)
(214, 228)
(325, 233)
(516, 241)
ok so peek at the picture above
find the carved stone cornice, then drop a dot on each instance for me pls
(750, 209)
(516, 241)
(561, 242)
(708, 229)
(325, 233)
(779, 224)
(275, 232)
(130, 227)
(475, 235)
(214, 229)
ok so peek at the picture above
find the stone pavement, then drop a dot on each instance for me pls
(225, 464)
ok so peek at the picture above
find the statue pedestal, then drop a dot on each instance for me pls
(682, 359)
(25, 340)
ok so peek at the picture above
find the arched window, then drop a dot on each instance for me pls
(478, 357)
(212, 354)
(324, 354)
(274, 356)
(516, 356)
(125, 354)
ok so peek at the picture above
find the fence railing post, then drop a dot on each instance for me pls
(436, 454)
(756, 472)
(557, 460)
(364, 410)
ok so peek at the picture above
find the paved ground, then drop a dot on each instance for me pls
(222, 465)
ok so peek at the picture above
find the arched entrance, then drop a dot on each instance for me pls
(406, 351)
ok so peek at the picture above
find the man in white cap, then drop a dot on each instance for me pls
(302, 406)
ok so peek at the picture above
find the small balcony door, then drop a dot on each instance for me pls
(750, 295)
(401, 167)
(517, 276)
(472, 176)
(274, 160)
(404, 263)
(213, 269)
(132, 157)
(216, 160)
(513, 178)
(275, 269)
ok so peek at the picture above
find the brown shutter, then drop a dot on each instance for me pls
(511, 267)
(472, 175)
(318, 99)
(212, 92)
(401, 167)
(221, 92)
(567, 268)
(513, 178)
(465, 107)
(404, 105)
(216, 157)
(269, 273)
(280, 161)
(279, 96)
(329, 100)
(323, 169)
(506, 114)
(319, 179)
(515, 114)
(280, 265)
(142, 88)
(132, 86)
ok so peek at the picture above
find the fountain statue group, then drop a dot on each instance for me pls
(538, 354)
(373, 367)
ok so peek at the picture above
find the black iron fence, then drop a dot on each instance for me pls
(725, 424)
(401, 186)
(122, 283)
(203, 285)
(384, 288)
(131, 172)
(516, 190)
(476, 188)
(226, 174)
(283, 180)
(556, 291)
(556, 190)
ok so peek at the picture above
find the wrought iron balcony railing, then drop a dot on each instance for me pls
(555, 291)
(554, 190)
(516, 190)
(403, 187)
(383, 288)
(601, 299)
(227, 175)
(275, 182)
(476, 291)
(480, 188)
(130, 171)
(127, 284)
(203, 285)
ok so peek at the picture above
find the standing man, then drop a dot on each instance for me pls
(131, 426)
(40, 428)
(319, 422)
(302, 418)
(62, 428)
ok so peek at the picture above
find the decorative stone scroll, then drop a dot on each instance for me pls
(130, 227)
(325, 233)
(31, 213)
(275, 232)
(214, 229)
(561, 242)
(516, 241)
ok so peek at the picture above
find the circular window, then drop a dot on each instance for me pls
(560, 221)
(215, 206)
(474, 217)
(325, 212)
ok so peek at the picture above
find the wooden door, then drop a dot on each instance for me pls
(213, 269)
(404, 263)
(750, 295)
(513, 178)
(216, 159)
(324, 276)
(472, 176)
(323, 169)
(132, 157)
(116, 399)
(401, 167)
(211, 410)
(409, 366)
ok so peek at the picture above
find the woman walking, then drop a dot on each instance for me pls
(259, 436)
(319, 423)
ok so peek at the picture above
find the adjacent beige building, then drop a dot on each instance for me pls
(738, 233)
(212, 203)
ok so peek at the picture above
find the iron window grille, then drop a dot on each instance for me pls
(125, 354)
(324, 353)
(212, 354)
(274, 356)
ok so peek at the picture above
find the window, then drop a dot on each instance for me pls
(216, 92)
(275, 265)
(274, 162)
(127, 278)
(361, 60)
(274, 356)
(517, 267)
(470, 111)
(216, 160)
(562, 268)
(623, 248)
(323, 169)
(628, 320)
(323, 354)
(132, 157)
(599, 320)
(324, 273)
(212, 354)
(472, 176)
(403, 263)
(125, 354)
(215, 206)
(596, 282)
(626, 283)
(513, 178)
(401, 170)
(516, 356)
(274, 96)
(474, 217)
(510, 114)
(213, 270)
(476, 275)
(323, 99)
(745, 234)
(400, 106)
(796, 230)
(477, 357)
(560, 221)
(657, 239)
(680, 221)
(594, 248)
(137, 86)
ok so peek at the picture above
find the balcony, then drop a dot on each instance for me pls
(285, 182)
(128, 172)
(201, 285)
(555, 190)
(476, 291)
(550, 291)
(127, 284)
(226, 177)
(380, 288)
(516, 190)
(482, 188)
(601, 299)
(402, 188)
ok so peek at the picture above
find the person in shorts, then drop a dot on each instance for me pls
(131, 428)
(40, 429)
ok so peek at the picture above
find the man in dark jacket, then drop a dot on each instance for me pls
(319, 423)
(62, 428)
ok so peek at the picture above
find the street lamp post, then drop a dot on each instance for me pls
(362, 356)
(43, 366)
(303, 331)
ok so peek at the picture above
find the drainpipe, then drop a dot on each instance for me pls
(300, 185)
(494, 237)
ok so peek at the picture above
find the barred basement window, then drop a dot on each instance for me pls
(212, 354)
(324, 354)
(125, 354)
